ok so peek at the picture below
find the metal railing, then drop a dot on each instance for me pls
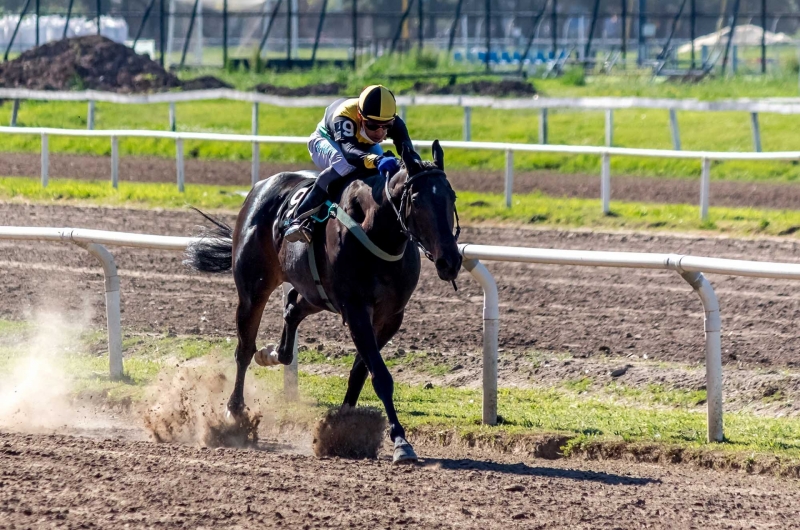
(606, 104)
(690, 268)
(605, 153)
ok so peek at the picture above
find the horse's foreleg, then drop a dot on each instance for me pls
(358, 374)
(297, 309)
(359, 322)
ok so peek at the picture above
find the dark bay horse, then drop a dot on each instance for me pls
(369, 282)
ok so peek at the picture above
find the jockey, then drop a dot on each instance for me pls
(347, 140)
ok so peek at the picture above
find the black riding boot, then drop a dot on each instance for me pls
(300, 227)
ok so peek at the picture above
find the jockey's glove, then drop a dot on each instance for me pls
(388, 165)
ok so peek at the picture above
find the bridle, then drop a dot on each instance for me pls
(404, 211)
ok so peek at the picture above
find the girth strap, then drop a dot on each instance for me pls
(312, 263)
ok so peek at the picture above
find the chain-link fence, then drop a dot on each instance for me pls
(280, 33)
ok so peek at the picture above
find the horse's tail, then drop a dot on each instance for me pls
(213, 252)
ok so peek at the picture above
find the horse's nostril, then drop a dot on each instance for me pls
(441, 263)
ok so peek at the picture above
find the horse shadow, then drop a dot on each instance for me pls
(523, 470)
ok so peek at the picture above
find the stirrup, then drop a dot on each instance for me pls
(298, 231)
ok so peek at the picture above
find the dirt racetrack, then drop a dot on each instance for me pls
(114, 479)
(69, 482)
(624, 188)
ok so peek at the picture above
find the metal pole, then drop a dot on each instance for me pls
(161, 31)
(491, 327)
(488, 31)
(588, 49)
(467, 124)
(188, 38)
(69, 15)
(141, 26)
(605, 183)
(673, 127)
(730, 35)
(289, 32)
(224, 33)
(45, 162)
(354, 18)
(290, 371)
(705, 187)
(554, 29)
(420, 24)
(537, 20)
(509, 176)
(14, 112)
(269, 26)
(756, 131)
(172, 117)
(642, 23)
(179, 163)
(254, 170)
(624, 31)
(98, 16)
(90, 117)
(713, 330)
(399, 31)
(763, 37)
(403, 109)
(543, 126)
(112, 306)
(114, 162)
(609, 127)
(16, 29)
(319, 31)
(693, 29)
(454, 26)
(37, 23)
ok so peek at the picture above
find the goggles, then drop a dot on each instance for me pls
(375, 125)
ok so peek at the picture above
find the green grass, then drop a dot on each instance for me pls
(529, 209)
(652, 414)
(722, 131)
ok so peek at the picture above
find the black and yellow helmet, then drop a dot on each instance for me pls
(376, 102)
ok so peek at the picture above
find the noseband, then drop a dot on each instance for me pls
(405, 205)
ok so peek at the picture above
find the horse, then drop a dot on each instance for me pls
(361, 263)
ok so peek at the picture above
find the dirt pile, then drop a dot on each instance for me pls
(504, 88)
(206, 82)
(349, 433)
(82, 63)
(320, 89)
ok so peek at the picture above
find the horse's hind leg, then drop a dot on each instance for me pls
(254, 285)
(297, 309)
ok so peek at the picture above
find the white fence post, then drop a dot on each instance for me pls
(491, 326)
(605, 183)
(90, 117)
(112, 308)
(45, 161)
(756, 131)
(673, 127)
(179, 163)
(114, 162)
(705, 187)
(172, 117)
(255, 167)
(543, 126)
(509, 176)
(467, 124)
(290, 372)
(609, 127)
(14, 112)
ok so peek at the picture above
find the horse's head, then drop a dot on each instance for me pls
(428, 209)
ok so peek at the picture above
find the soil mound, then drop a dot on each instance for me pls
(504, 88)
(93, 62)
(206, 82)
(320, 89)
(349, 433)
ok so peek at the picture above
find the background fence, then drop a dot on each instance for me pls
(495, 32)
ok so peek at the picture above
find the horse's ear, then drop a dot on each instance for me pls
(410, 160)
(438, 155)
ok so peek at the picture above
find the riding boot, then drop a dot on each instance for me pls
(299, 229)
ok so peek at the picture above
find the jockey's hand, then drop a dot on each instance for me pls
(388, 164)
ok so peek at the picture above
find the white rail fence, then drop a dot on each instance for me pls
(690, 268)
(606, 104)
(605, 153)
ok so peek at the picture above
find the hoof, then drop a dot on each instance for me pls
(403, 452)
(267, 356)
